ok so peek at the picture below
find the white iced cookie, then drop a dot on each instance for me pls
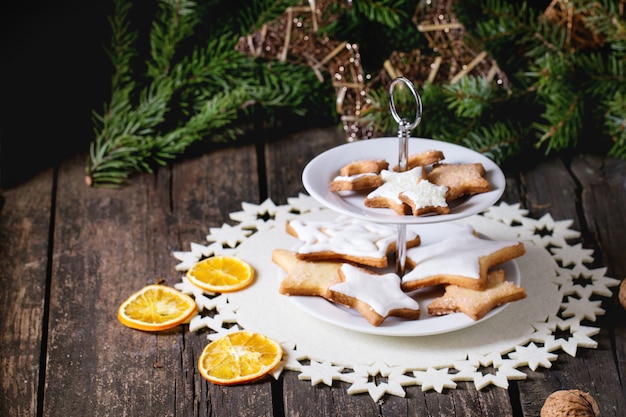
(462, 259)
(394, 183)
(375, 297)
(426, 197)
(347, 239)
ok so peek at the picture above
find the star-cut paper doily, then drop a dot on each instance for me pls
(556, 317)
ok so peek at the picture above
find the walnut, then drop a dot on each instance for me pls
(570, 403)
(622, 293)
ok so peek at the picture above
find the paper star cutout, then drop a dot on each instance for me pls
(580, 336)
(189, 259)
(507, 214)
(581, 307)
(293, 356)
(504, 370)
(318, 372)
(599, 284)
(252, 215)
(532, 356)
(361, 381)
(203, 302)
(559, 231)
(571, 255)
(436, 379)
(304, 203)
(228, 234)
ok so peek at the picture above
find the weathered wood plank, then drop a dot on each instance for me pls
(205, 190)
(302, 399)
(124, 241)
(550, 188)
(24, 238)
(603, 198)
(106, 246)
(108, 243)
(285, 160)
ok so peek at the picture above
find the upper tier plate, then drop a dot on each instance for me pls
(318, 174)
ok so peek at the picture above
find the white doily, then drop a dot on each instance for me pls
(526, 334)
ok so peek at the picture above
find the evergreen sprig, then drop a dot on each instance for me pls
(185, 81)
(191, 88)
(572, 90)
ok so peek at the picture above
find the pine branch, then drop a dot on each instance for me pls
(190, 92)
(174, 23)
(497, 141)
(615, 123)
(470, 96)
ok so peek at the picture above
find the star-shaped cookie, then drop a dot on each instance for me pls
(305, 278)
(394, 183)
(374, 296)
(347, 239)
(476, 304)
(461, 179)
(462, 259)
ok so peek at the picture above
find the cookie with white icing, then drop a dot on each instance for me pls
(426, 197)
(347, 239)
(394, 183)
(476, 303)
(463, 259)
(375, 297)
(357, 182)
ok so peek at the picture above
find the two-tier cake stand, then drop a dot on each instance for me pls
(320, 171)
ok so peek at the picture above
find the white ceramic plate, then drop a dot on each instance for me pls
(341, 316)
(320, 171)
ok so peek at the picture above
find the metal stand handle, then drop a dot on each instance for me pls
(404, 128)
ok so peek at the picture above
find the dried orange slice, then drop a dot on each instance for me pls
(221, 274)
(156, 307)
(238, 358)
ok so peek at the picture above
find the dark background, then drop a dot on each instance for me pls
(54, 73)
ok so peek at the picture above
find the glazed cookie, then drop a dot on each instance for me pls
(394, 183)
(461, 179)
(303, 277)
(375, 297)
(476, 304)
(422, 159)
(357, 182)
(347, 239)
(462, 259)
(363, 166)
(426, 197)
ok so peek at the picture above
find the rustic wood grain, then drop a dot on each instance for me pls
(285, 160)
(552, 188)
(204, 191)
(25, 216)
(108, 243)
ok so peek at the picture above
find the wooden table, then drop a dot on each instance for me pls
(69, 255)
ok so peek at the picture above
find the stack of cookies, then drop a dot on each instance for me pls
(427, 186)
(344, 261)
